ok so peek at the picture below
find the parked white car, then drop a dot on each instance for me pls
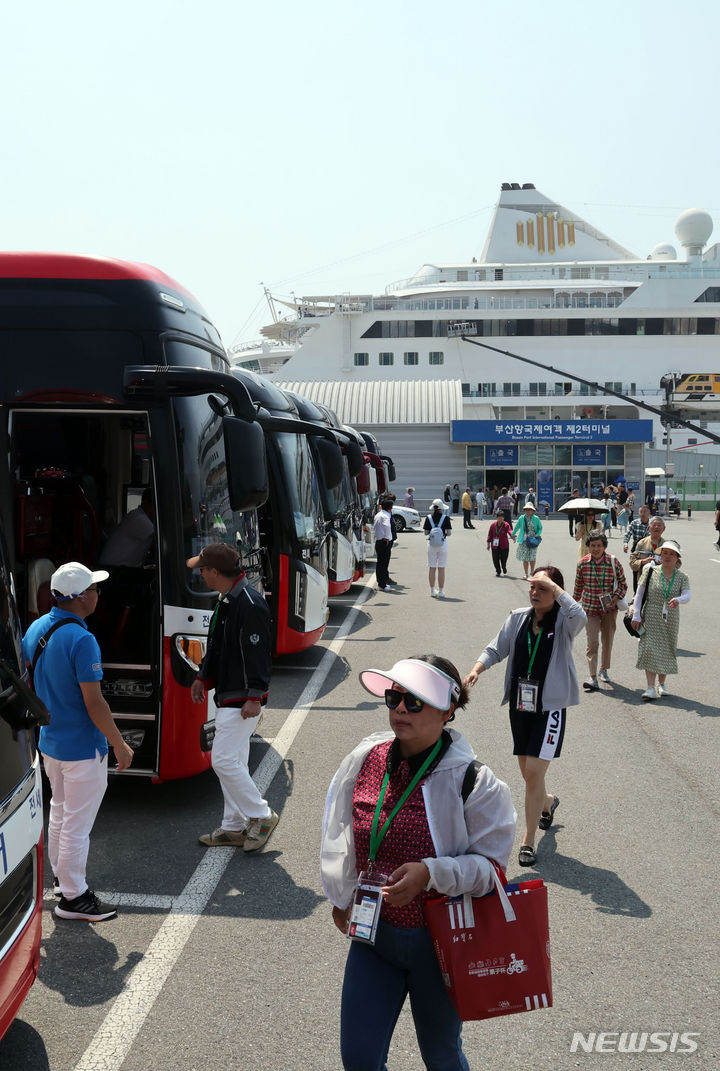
(405, 518)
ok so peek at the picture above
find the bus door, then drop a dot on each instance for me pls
(21, 819)
(80, 479)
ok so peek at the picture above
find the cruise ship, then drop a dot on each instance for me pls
(548, 287)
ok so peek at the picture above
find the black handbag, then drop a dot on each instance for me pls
(628, 616)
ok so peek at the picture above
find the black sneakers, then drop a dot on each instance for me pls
(86, 907)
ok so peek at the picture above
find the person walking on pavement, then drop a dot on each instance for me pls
(540, 683)
(456, 498)
(237, 665)
(571, 516)
(66, 663)
(396, 809)
(528, 531)
(505, 503)
(383, 533)
(657, 612)
(437, 528)
(467, 509)
(480, 503)
(637, 529)
(600, 586)
(647, 550)
(499, 534)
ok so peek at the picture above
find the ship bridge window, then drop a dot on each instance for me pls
(437, 357)
(386, 359)
(488, 390)
(562, 301)
(362, 358)
(410, 358)
(462, 276)
(711, 294)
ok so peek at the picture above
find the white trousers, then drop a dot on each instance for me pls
(230, 754)
(78, 787)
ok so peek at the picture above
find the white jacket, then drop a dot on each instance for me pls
(464, 837)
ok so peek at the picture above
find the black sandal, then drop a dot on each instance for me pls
(546, 819)
(527, 856)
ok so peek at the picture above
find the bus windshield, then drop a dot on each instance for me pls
(300, 485)
(206, 511)
(340, 498)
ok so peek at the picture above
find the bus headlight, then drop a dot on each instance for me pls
(300, 593)
(191, 649)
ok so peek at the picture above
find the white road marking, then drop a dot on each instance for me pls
(112, 1042)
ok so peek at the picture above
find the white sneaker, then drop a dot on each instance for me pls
(433, 593)
(661, 691)
(441, 593)
(649, 693)
(604, 676)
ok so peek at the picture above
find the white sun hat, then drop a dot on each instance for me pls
(423, 680)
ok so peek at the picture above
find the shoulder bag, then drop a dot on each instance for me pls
(628, 616)
(494, 951)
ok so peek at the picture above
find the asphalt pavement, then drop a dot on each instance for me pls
(222, 960)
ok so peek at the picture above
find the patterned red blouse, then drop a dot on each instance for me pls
(407, 840)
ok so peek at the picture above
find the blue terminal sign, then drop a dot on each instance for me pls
(556, 431)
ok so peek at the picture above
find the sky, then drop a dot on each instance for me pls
(321, 148)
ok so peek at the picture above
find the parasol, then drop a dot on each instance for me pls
(583, 505)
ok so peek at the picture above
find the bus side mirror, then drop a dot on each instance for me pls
(247, 471)
(331, 462)
(390, 469)
(354, 454)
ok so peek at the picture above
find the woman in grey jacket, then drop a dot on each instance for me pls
(540, 682)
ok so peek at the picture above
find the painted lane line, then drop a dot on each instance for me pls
(113, 1040)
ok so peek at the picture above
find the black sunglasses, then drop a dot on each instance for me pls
(393, 699)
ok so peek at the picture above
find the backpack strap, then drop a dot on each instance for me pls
(470, 778)
(43, 641)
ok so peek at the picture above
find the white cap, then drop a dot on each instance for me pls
(72, 579)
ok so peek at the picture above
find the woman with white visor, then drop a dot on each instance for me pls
(408, 812)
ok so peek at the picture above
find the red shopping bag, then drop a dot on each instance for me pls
(494, 950)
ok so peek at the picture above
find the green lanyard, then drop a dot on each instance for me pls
(666, 590)
(537, 644)
(376, 838)
(600, 578)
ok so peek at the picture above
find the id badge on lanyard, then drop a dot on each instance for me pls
(527, 695)
(529, 689)
(366, 907)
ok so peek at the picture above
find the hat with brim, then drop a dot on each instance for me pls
(529, 505)
(438, 504)
(218, 556)
(423, 680)
(670, 544)
(72, 579)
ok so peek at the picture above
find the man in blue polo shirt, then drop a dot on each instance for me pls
(67, 672)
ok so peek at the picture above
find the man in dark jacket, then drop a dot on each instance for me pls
(237, 665)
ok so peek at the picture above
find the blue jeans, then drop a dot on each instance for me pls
(377, 981)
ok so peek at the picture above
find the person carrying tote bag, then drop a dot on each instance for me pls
(528, 531)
